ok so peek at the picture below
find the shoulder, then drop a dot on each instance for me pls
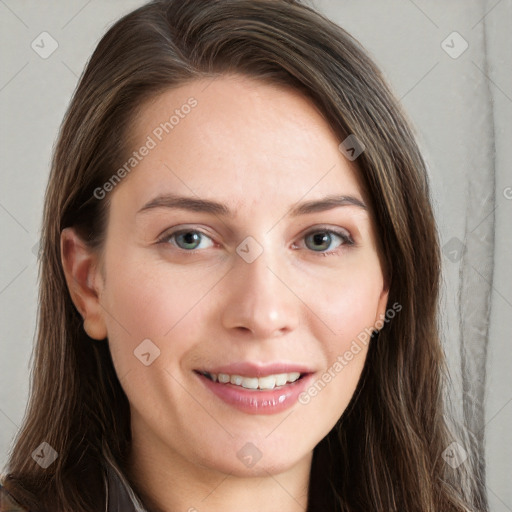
(8, 503)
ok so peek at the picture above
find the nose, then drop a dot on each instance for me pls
(259, 299)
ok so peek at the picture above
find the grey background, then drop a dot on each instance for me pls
(461, 109)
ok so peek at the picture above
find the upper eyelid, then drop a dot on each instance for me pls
(337, 230)
(320, 228)
(168, 234)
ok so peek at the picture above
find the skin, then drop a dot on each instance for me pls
(260, 149)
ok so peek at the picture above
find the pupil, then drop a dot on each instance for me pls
(190, 237)
(322, 238)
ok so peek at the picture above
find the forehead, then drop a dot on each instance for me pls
(241, 138)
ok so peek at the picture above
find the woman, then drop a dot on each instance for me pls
(239, 280)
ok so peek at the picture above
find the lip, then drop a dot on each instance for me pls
(247, 369)
(257, 401)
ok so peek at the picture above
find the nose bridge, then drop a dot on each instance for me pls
(258, 299)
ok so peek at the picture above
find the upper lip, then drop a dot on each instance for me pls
(257, 369)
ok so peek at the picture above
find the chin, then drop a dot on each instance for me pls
(251, 461)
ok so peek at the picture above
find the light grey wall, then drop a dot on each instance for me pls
(461, 108)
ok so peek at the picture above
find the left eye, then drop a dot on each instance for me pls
(320, 241)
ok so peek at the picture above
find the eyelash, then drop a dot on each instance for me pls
(346, 239)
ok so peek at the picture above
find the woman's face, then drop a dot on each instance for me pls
(265, 280)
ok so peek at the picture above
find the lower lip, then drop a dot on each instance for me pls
(258, 402)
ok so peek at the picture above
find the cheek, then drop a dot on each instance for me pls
(151, 300)
(345, 307)
(346, 300)
(151, 321)
(349, 313)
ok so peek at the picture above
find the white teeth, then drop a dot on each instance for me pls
(250, 383)
(267, 382)
(236, 379)
(281, 379)
(222, 377)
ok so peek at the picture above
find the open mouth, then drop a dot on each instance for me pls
(266, 383)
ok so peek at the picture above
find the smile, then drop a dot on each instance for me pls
(268, 382)
(269, 394)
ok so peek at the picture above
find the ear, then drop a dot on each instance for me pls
(84, 280)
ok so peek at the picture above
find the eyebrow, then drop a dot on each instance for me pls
(214, 207)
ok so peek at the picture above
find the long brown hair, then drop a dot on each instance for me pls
(386, 451)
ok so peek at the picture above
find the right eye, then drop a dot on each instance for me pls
(186, 239)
